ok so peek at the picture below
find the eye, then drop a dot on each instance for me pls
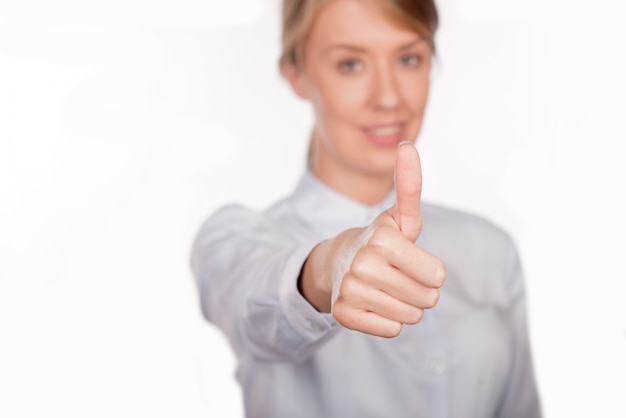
(350, 66)
(411, 60)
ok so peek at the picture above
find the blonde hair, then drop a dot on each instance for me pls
(298, 16)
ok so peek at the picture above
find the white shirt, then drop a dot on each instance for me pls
(468, 357)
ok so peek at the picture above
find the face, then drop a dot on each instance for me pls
(367, 79)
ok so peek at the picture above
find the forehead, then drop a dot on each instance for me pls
(359, 23)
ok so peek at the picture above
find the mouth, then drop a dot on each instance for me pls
(385, 135)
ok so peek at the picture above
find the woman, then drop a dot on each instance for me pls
(334, 298)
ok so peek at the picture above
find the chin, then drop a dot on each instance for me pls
(380, 167)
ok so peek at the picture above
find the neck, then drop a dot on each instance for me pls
(364, 187)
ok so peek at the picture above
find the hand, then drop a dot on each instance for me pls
(380, 278)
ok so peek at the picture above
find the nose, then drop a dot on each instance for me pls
(385, 92)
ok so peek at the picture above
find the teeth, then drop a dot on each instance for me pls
(386, 130)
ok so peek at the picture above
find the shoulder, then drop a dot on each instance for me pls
(237, 216)
(463, 226)
(241, 220)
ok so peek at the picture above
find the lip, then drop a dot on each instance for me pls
(385, 135)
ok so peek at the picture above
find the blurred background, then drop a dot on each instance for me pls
(124, 124)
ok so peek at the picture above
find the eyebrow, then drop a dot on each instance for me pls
(360, 49)
(411, 44)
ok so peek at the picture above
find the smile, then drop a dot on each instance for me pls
(386, 135)
(384, 130)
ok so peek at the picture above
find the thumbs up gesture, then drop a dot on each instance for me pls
(378, 278)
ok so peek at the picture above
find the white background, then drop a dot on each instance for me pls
(123, 124)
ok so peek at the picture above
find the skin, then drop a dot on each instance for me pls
(361, 73)
(367, 81)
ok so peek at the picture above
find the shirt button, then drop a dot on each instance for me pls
(436, 367)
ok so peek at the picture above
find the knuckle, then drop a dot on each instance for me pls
(393, 330)
(432, 298)
(348, 286)
(341, 314)
(364, 262)
(419, 225)
(412, 190)
(361, 260)
(381, 237)
(414, 316)
(440, 274)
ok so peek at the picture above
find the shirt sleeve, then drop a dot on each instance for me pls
(246, 270)
(520, 399)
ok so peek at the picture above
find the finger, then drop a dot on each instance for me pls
(405, 289)
(388, 247)
(366, 321)
(408, 181)
(363, 297)
(417, 288)
(420, 265)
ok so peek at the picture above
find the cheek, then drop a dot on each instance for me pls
(416, 104)
(417, 100)
(339, 99)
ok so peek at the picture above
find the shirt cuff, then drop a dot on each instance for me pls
(301, 315)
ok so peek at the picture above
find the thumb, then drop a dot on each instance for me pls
(407, 211)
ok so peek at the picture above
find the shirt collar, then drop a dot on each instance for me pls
(330, 212)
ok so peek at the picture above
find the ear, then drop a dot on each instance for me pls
(296, 78)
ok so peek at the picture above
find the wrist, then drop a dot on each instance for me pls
(314, 283)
